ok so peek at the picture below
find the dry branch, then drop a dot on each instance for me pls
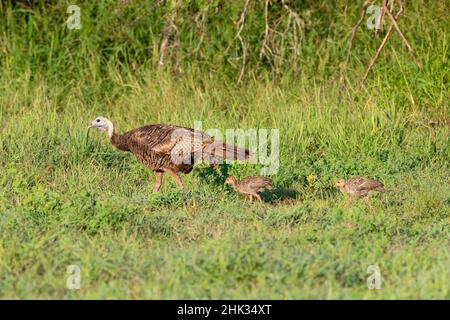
(397, 28)
(240, 24)
(383, 43)
(385, 10)
(169, 34)
(349, 49)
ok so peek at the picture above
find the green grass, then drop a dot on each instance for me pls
(67, 197)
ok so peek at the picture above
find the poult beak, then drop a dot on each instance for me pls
(89, 126)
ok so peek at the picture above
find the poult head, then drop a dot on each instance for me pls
(230, 180)
(102, 124)
(341, 183)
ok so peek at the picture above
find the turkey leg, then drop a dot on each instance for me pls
(176, 177)
(158, 181)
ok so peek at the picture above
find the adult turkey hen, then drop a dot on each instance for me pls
(170, 149)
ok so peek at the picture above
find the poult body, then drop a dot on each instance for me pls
(359, 187)
(250, 186)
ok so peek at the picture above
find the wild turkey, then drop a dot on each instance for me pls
(359, 187)
(250, 186)
(169, 149)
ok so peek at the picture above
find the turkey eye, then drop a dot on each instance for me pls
(98, 120)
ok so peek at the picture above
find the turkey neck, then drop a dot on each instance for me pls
(119, 142)
(234, 184)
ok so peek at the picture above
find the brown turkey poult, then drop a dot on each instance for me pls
(359, 187)
(250, 186)
(169, 149)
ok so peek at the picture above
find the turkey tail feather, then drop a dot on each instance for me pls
(226, 151)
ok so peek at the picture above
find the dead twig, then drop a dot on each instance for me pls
(281, 37)
(397, 28)
(241, 24)
(343, 72)
(169, 34)
(266, 31)
(379, 25)
(353, 32)
(383, 43)
(393, 26)
(386, 9)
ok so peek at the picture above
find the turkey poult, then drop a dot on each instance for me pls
(250, 186)
(169, 149)
(359, 187)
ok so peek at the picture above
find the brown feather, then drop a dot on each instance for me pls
(252, 185)
(172, 147)
(360, 187)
